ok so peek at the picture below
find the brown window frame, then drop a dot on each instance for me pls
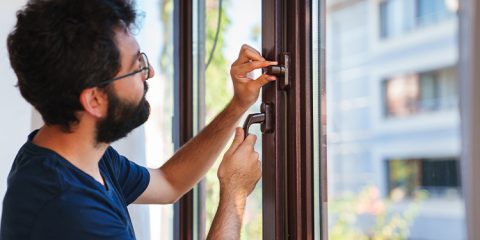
(288, 186)
(468, 73)
(183, 108)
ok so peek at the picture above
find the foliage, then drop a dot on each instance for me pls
(217, 75)
(389, 223)
(217, 94)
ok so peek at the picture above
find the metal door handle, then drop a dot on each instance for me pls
(281, 70)
(265, 117)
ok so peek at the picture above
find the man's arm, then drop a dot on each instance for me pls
(181, 172)
(238, 173)
(228, 218)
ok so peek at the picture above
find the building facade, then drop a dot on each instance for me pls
(393, 116)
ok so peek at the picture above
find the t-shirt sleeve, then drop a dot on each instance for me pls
(73, 216)
(132, 178)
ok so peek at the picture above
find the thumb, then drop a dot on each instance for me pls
(237, 140)
(264, 79)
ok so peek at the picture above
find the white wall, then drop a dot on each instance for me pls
(15, 115)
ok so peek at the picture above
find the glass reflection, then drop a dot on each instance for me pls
(236, 29)
(393, 120)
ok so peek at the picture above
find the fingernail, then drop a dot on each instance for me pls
(272, 78)
(274, 63)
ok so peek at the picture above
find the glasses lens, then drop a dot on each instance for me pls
(145, 65)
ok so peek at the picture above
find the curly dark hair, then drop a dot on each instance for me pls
(58, 48)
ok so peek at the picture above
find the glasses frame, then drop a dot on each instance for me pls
(146, 67)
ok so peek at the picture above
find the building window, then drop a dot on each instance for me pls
(419, 93)
(431, 11)
(436, 177)
(399, 16)
(390, 19)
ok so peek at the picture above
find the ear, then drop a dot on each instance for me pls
(94, 101)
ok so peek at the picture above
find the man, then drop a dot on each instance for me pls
(78, 64)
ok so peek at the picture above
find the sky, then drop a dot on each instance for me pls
(244, 15)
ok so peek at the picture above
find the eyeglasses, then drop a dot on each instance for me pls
(144, 69)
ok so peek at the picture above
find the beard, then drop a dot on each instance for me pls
(122, 117)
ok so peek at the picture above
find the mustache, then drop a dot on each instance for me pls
(145, 88)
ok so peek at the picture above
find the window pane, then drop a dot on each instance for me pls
(318, 96)
(391, 23)
(393, 120)
(236, 29)
(432, 11)
(156, 39)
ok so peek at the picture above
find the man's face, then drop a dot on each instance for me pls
(122, 117)
(127, 105)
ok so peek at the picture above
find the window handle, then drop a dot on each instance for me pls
(265, 117)
(281, 70)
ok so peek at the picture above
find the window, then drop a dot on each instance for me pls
(437, 176)
(397, 17)
(235, 30)
(395, 179)
(362, 175)
(417, 93)
(208, 42)
(390, 18)
(431, 11)
(156, 39)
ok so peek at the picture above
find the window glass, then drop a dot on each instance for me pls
(431, 11)
(432, 91)
(318, 118)
(236, 29)
(397, 17)
(156, 40)
(391, 23)
(393, 131)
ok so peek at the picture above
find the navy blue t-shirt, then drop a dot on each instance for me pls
(49, 198)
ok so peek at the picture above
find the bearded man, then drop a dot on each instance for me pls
(78, 64)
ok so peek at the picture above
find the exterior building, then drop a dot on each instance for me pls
(393, 118)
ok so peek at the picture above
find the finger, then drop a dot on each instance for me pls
(255, 156)
(259, 167)
(251, 48)
(237, 140)
(247, 54)
(264, 79)
(249, 141)
(250, 66)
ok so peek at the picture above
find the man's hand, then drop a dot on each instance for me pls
(240, 169)
(246, 90)
(239, 172)
(168, 183)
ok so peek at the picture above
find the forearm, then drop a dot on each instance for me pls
(227, 222)
(193, 160)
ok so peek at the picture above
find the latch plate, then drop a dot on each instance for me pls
(281, 71)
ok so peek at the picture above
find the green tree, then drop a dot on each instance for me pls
(217, 93)
(389, 224)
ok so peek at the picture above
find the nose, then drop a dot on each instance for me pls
(151, 72)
